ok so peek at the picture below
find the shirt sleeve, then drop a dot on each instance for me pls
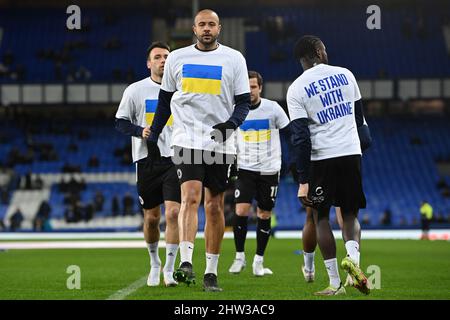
(241, 82)
(295, 106)
(357, 95)
(169, 82)
(281, 118)
(126, 107)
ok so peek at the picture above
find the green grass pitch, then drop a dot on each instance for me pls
(409, 270)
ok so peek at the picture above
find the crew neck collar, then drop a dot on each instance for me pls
(197, 48)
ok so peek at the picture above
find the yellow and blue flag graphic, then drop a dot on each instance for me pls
(255, 130)
(199, 78)
(150, 109)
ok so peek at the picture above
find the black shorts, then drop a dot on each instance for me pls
(425, 224)
(209, 167)
(158, 185)
(254, 185)
(337, 182)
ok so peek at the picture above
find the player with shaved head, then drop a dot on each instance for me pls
(206, 89)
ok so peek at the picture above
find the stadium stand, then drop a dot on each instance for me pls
(391, 175)
(52, 55)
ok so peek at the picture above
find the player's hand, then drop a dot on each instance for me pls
(153, 154)
(303, 195)
(146, 133)
(222, 131)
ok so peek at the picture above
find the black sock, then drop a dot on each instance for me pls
(262, 235)
(240, 232)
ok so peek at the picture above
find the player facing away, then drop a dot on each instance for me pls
(259, 164)
(309, 239)
(156, 183)
(322, 105)
(206, 89)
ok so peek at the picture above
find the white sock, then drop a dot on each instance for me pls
(258, 258)
(308, 257)
(154, 256)
(353, 250)
(333, 273)
(186, 250)
(211, 263)
(240, 256)
(171, 256)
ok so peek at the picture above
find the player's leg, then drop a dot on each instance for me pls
(149, 187)
(151, 235)
(191, 194)
(240, 223)
(172, 199)
(349, 280)
(351, 263)
(309, 241)
(350, 198)
(214, 230)
(172, 209)
(322, 192)
(266, 193)
(244, 193)
(327, 245)
(190, 176)
(215, 182)
(262, 238)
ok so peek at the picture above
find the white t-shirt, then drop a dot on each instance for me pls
(205, 83)
(326, 95)
(138, 105)
(259, 147)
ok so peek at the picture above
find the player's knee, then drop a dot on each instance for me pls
(264, 215)
(172, 214)
(192, 198)
(151, 219)
(213, 207)
(242, 212)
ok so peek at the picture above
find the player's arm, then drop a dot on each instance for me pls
(301, 147)
(282, 123)
(286, 134)
(162, 114)
(241, 109)
(222, 131)
(300, 142)
(125, 114)
(363, 129)
(126, 127)
(242, 101)
(365, 137)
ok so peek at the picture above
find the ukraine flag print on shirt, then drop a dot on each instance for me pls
(255, 131)
(199, 78)
(150, 109)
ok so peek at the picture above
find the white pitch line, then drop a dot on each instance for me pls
(123, 293)
(103, 244)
